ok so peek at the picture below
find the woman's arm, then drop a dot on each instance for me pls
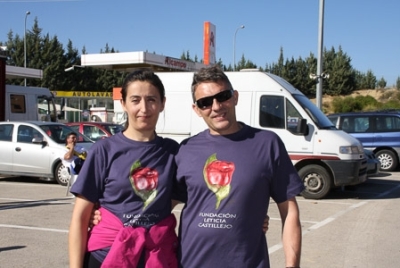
(78, 231)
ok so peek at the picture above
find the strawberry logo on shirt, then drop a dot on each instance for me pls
(218, 176)
(144, 182)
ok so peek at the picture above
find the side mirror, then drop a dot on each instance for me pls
(302, 127)
(39, 141)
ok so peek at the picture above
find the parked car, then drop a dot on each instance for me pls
(96, 130)
(33, 149)
(378, 131)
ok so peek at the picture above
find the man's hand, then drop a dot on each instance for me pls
(95, 217)
(265, 224)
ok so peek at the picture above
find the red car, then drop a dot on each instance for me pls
(96, 130)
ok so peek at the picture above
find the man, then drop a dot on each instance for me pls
(74, 155)
(229, 172)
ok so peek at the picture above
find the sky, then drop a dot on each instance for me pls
(368, 31)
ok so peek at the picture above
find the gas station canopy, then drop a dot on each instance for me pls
(21, 72)
(128, 61)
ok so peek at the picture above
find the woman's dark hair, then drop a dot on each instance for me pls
(143, 75)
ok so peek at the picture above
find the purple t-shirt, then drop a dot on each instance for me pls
(131, 179)
(229, 181)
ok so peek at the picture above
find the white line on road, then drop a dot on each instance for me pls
(330, 219)
(33, 228)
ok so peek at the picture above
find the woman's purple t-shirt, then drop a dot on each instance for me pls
(131, 179)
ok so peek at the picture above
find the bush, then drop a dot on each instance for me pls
(350, 104)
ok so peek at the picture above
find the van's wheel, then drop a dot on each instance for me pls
(388, 160)
(316, 180)
(62, 175)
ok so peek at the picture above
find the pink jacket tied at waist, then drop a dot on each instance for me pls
(127, 243)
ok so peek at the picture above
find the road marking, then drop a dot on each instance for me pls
(33, 228)
(320, 224)
(322, 202)
(330, 219)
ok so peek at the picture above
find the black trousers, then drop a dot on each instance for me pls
(91, 262)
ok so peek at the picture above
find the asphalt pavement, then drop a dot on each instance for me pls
(351, 227)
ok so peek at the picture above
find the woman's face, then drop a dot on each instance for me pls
(143, 104)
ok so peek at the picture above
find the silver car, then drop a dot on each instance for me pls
(34, 148)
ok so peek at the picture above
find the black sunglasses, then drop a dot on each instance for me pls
(225, 95)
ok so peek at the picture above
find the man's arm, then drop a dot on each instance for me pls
(70, 154)
(291, 231)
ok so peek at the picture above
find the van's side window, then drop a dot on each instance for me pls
(272, 112)
(17, 103)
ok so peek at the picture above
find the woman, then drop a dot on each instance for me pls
(130, 175)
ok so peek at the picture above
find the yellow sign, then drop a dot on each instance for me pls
(82, 94)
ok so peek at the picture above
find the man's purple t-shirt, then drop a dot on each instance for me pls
(131, 179)
(229, 181)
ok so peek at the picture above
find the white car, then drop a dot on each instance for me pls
(34, 148)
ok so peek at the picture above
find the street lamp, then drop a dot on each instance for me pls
(320, 51)
(234, 44)
(26, 15)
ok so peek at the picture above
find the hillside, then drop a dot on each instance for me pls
(380, 95)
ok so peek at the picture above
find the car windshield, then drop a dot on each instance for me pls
(59, 132)
(114, 129)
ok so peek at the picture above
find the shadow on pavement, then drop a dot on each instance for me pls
(374, 188)
(11, 248)
(35, 203)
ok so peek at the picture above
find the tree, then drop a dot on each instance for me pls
(381, 83)
(341, 77)
(277, 68)
(47, 53)
(367, 81)
(245, 64)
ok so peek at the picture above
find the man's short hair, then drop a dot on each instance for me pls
(209, 74)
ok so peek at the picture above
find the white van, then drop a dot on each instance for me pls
(324, 156)
(29, 103)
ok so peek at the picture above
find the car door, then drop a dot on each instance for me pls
(6, 145)
(281, 116)
(30, 159)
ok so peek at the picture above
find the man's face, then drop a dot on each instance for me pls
(71, 139)
(218, 112)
